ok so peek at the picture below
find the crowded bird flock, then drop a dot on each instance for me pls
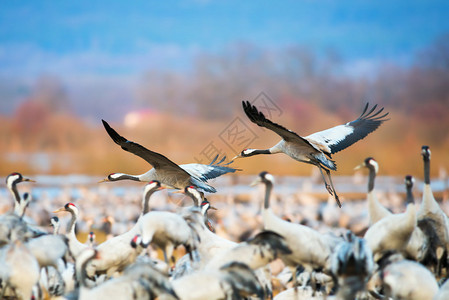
(181, 254)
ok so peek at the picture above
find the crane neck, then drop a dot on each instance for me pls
(71, 225)
(146, 201)
(196, 201)
(261, 151)
(15, 193)
(130, 177)
(19, 209)
(56, 229)
(371, 179)
(426, 170)
(268, 188)
(410, 199)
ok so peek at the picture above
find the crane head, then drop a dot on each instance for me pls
(15, 178)
(425, 152)
(245, 153)
(264, 177)
(137, 240)
(369, 163)
(409, 180)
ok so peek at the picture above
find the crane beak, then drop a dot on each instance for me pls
(103, 180)
(255, 182)
(235, 157)
(29, 180)
(359, 166)
(59, 210)
(212, 207)
(178, 192)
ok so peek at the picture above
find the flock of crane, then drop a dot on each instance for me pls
(400, 255)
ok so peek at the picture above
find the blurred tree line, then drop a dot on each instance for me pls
(313, 90)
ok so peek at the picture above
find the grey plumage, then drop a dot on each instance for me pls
(255, 253)
(166, 171)
(243, 280)
(154, 282)
(352, 257)
(232, 281)
(431, 218)
(317, 148)
(352, 265)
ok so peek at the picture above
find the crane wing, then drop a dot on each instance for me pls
(210, 171)
(259, 118)
(342, 136)
(158, 161)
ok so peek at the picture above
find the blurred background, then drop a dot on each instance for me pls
(171, 76)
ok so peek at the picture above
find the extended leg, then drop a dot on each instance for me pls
(328, 187)
(333, 189)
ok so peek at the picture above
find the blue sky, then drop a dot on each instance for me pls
(129, 37)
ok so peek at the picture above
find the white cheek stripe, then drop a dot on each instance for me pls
(115, 176)
(270, 177)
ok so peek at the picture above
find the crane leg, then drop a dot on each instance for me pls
(313, 283)
(333, 189)
(328, 187)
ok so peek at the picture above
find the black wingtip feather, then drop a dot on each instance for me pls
(117, 138)
(222, 160)
(252, 113)
(366, 123)
(213, 160)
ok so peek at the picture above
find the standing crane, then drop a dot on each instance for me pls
(13, 227)
(167, 230)
(56, 224)
(117, 253)
(75, 246)
(168, 173)
(431, 213)
(419, 246)
(376, 210)
(317, 148)
(11, 183)
(309, 248)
